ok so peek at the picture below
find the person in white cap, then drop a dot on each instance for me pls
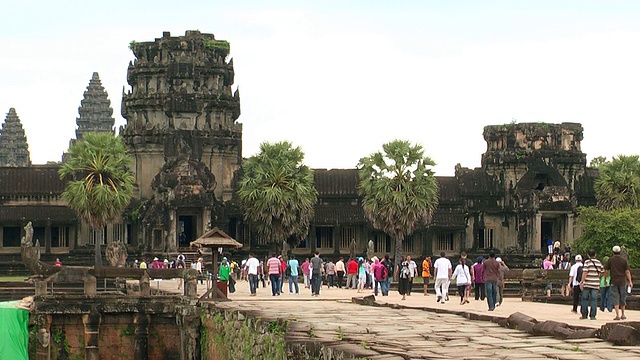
(621, 282)
(575, 274)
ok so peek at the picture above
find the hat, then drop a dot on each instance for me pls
(224, 258)
(360, 258)
(165, 260)
(155, 259)
(375, 258)
(616, 249)
(136, 260)
(578, 258)
(498, 259)
(479, 258)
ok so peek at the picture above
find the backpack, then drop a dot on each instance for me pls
(389, 266)
(579, 274)
(405, 272)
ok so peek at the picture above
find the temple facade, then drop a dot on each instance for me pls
(183, 134)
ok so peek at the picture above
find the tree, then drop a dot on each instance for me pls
(277, 194)
(399, 191)
(619, 183)
(101, 186)
(605, 229)
(597, 161)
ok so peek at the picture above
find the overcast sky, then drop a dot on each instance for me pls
(340, 78)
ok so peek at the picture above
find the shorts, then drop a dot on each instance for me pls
(618, 295)
(549, 286)
(425, 280)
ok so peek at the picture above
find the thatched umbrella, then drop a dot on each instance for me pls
(215, 239)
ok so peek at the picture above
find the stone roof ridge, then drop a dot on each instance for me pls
(14, 149)
(95, 109)
(336, 182)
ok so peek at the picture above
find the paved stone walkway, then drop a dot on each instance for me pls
(386, 333)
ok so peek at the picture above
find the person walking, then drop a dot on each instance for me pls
(380, 274)
(618, 267)
(575, 275)
(251, 268)
(387, 283)
(317, 269)
(605, 288)
(352, 274)
(491, 274)
(274, 269)
(306, 272)
(590, 285)
(330, 270)
(404, 273)
(463, 279)
(340, 271)
(362, 274)
(503, 272)
(443, 270)
(413, 270)
(426, 274)
(293, 266)
(478, 280)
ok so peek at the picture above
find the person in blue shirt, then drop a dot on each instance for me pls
(292, 269)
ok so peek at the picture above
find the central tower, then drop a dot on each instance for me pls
(182, 133)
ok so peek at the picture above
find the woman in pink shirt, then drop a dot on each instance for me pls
(305, 272)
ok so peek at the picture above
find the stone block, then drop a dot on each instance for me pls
(518, 317)
(548, 327)
(364, 300)
(583, 334)
(622, 334)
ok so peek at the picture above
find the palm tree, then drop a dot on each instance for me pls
(277, 194)
(619, 183)
(100, 185)
(399, 190)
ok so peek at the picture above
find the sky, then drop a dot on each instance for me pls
(341, 78)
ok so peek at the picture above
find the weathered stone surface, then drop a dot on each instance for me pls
(548, 327)
(364, 300)
(583, 334)
(14, 151)
(622, 334)
(516, 318)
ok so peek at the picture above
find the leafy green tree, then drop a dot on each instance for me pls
(399, 190)
(605, 229)
(100, 185)
(277, 194)
(619, 183)
(597, 161)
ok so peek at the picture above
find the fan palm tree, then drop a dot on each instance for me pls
(399, 190)
(277, 194)
(100, 185)
(619, 183)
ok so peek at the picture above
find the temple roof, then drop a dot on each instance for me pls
(95, 109)
(336, 182)
(37, 214)
(14, 150)
(31, 181)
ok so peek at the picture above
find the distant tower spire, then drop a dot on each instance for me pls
(95, 110)
(14, 150)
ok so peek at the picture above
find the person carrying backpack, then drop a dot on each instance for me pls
(380, 273)
(575, 275)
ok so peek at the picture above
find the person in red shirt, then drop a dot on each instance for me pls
(57, 263)
(352, 274)
(274, 269)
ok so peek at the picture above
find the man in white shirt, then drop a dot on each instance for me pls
(413, 269)
(443, 270)
(574, 280)
(251, 268)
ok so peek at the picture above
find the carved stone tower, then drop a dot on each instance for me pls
(95, 110)
(182, 133)
(14, 150)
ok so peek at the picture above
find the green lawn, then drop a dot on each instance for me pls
(13, 278)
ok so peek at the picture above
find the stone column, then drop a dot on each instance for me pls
(312, 237)
(41, 286)
(90, 285)
(173, 231)
(47, 237)
(191, 283)
(91, 323)
(336, 239)
(43, 344)
(141, 323)
(535, 237)
(569, 232)
(145, 286)
(189, 326)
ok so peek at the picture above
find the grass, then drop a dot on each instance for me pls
(13, 278)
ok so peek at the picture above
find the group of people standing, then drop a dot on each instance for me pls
(611, 280)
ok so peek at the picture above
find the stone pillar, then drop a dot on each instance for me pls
(90, 285)
(43, 344)
(336, 239)
(91, 323)
(189, 326)
(145, 287)
(191, 283)
(141, 323)
(47, 237)
(173, 231)
(41, 287)
(569, 231)
(535, 236)
(312, 237)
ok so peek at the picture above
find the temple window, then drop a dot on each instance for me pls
(98, 235)
(60, 236)
(347, 233)
(324, 237)
(382, 243)
(444, 241)
(11, 236)
(485, 238)
(408, 244)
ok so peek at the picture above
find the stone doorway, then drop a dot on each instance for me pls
(546, 232)
(187, 230)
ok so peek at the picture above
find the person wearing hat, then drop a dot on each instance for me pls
(575, 274)
(621, 283)
(224, 271)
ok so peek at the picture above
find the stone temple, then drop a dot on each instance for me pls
(183, 134)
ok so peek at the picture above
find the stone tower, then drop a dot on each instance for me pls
(95, 110)
(182, 133)
(14, 150)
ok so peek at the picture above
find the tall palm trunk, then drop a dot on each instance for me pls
(399, 251)
(98, 248)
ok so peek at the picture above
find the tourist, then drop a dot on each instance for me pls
(57, 262)
(605, 288)
(618, 267)
(330, 270)
(274, 269)
(469, 263)
(565, 264)
(283, 267)
(352, 274)
(463, 279)
(413, 272)
(224, 271)
(180, 265)
(575, 275)
(252, 266)
(404, 273)
(136, 264)
(478, 279)
(181, 257)
(362, 274)
(235, 268)
(293, 266)
(199, 269)
(306, 272)
(261, 274)
(143, 263)
(549, 245)
(368, 284)
(387, 283)
(503, 272)
(380, 274)
(156, 263)
(317, 270)
(491, 274)
(340, 271)
(443, 269)
(426, 274)
(165, 264)
(547, 264)
(243, 272)
(590, 285)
